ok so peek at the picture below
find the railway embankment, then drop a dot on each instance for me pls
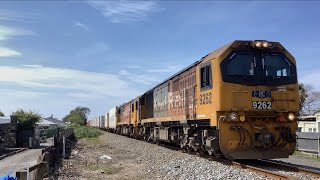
(112, 156)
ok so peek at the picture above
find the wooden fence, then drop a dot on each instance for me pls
(51, 156)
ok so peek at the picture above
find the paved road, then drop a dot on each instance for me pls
(19, 161)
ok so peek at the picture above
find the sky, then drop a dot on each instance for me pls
(57, 55)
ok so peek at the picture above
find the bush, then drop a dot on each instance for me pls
(27, 119)
(86, 132)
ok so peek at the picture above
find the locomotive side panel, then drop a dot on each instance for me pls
(125, 112)
(160, 99)
(149, 105)
(135, 111)
(182, 95)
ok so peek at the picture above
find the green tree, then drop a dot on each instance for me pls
(77, 116)
(27, 119)
(1, 114)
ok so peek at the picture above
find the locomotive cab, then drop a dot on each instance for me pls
(259, 101)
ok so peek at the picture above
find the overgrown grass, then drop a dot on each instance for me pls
(104, 168)
(86, 132)
(306, 155)
(93, 141)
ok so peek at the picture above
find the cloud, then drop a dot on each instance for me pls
(6, 52)
(9, 32)
(139, 78)
(67, 80)
(169, 69)
(133, 67)
(81, 25)
(310, 78)
(124, 11)
(21, 93)
(94, 49)
(6, 15)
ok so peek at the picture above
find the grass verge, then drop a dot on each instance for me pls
(86, 132)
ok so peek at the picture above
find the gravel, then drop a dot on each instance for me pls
(164, 163)
(134, 159)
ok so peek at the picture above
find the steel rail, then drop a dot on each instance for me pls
(289, 167)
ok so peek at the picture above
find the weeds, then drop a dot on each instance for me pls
(86, 132)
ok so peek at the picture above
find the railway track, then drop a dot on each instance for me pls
(259, 166)
(292, 168)
(263, 167)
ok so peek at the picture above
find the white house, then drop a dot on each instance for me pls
(45, 124)
(309, 123)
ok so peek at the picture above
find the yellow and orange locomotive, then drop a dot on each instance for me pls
(239, 101)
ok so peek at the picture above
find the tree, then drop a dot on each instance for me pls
(303, 95)
(27, 119)
(77, 116)
(1, 114)
(309, 99)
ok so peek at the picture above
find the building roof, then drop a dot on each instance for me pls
(55, 120)
(44, 122)
(307, 118)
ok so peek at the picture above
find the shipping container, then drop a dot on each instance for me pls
(160, 100)
(106, 120)
(101, 122)
(113, 118)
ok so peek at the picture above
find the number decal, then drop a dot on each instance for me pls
(205, 98)
(261, 105)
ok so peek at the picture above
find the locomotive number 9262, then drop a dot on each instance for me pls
(261, 105)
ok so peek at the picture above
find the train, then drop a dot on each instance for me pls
(240, 101)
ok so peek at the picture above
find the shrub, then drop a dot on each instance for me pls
(86, 132)
(27, 119)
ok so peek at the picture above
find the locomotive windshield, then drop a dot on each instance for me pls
(256, 68)
(241, 64)
(277, 66)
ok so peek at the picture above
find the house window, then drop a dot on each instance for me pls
(314, 129)
(206, 80)
(132, 107)
(310, 130)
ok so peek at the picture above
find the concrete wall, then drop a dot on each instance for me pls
(8, 133)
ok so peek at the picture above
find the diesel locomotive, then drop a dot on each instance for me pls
(239, 101)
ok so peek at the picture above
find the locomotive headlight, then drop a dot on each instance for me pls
(265, 44)
(258, 44)
(233, 116)
(291, 116)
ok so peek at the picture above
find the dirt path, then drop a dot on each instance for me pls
(86, 162)
(18, 161)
